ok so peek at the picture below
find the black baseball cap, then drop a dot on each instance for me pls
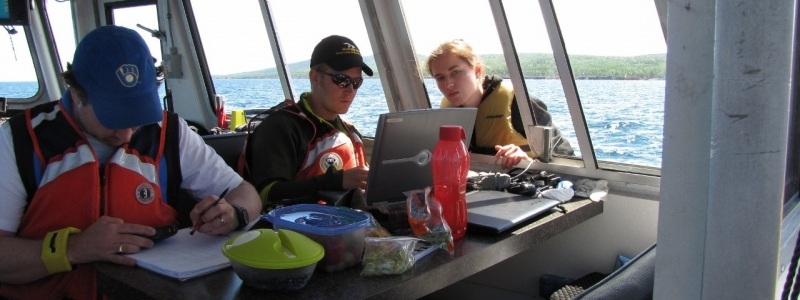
(340, 53)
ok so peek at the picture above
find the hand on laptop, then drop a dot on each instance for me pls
(355, 178)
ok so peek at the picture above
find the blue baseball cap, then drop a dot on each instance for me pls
(114, 66)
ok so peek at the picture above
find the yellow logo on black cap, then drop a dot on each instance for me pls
(349, 49)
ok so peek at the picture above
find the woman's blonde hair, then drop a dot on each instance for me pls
(459, 48)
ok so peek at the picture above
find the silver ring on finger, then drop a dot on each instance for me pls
(120, 248)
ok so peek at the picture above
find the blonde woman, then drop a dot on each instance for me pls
(459, 75)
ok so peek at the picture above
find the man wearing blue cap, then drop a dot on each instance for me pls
(100, 169)
(305, 147)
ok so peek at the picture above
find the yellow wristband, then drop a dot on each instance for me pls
(54, 250)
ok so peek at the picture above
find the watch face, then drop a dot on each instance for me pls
(242, 215)
(245, 215)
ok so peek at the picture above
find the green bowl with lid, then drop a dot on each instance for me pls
(281, 260)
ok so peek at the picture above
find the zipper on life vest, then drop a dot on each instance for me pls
(102, 189)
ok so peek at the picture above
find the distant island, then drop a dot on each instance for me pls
(534, 66)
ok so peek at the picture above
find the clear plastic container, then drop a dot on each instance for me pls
(340, 231)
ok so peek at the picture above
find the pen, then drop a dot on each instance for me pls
(215, 203)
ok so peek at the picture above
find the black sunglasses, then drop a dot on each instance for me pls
(343, 80)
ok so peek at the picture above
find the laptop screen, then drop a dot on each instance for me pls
(404, 143)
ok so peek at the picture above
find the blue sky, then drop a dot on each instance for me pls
(614, 27)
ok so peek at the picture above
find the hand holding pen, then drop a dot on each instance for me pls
(200, 221)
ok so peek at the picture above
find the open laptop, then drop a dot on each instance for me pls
(403, 148)
(404, 143)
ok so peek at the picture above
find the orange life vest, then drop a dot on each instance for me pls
(68, 186)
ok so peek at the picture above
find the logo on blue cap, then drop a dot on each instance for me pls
(128, 75)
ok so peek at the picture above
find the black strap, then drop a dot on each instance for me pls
(176, 197)
(23, 149)
(172, 154)
(49, 131)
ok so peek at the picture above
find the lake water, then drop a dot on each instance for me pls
(625, 117)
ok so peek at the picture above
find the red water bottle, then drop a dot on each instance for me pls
(450, 168)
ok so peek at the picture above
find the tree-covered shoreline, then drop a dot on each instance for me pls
(534, 66)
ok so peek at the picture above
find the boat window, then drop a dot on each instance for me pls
(302, 24)
(616, 52)
(143, 19)
(130, 16)
(475, 24)
(470, 20)
(539, 68)
(61, 24)
(617, 55)
(17, 75)
(238, 53)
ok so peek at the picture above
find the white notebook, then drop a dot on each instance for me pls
(185, 256)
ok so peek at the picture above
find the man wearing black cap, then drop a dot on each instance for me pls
(87, 178)
(305, 147)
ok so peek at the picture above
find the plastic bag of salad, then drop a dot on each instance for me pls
(388, 255)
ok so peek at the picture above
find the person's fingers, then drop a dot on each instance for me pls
(118, 254)
(109, 220)
(508, 163)
(355, 177)
(218, 220)
(135, 229)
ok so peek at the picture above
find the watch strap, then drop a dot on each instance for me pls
(242, 216)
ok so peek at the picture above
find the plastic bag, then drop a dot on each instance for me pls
(375, 229)
(426, 220)
(388, 255)
(595, 190)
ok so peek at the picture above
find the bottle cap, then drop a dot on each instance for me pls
(452, 133)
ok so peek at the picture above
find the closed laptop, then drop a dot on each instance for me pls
(496, 211)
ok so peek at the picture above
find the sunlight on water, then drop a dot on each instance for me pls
(625, 117)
